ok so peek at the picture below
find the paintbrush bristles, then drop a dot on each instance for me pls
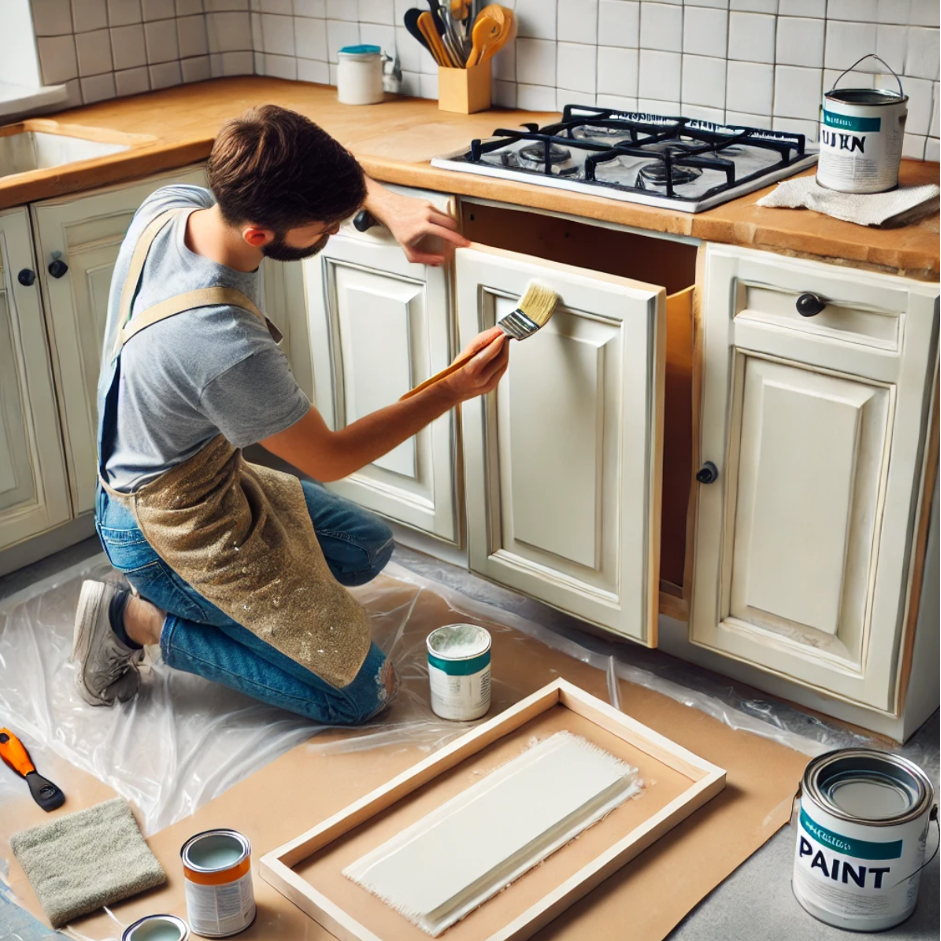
(538, 302)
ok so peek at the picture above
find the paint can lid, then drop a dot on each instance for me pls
(157, 928)
(361, 50)
(458, 642)
(866, 96)
(866, 785)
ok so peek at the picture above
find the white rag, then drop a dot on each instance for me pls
(897, 207)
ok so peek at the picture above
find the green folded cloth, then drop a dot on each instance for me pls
(81, 861)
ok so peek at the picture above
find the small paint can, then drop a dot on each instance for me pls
(459, 671)
(217, 870)
(157, 928)
(861, 837)
(861, 134)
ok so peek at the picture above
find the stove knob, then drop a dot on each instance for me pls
(708, 473)
(363, 220)
(809, 305)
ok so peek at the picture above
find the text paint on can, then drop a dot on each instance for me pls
(459, 671)
(157, 928)
(862, 829)
(220, 898)
(861, 134)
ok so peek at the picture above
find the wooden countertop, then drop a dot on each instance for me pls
(395, 141)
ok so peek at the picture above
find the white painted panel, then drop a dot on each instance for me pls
(803, 544)
(34, 495)
(553, 440)
(562, 459)
(375, 321)
(811, 465)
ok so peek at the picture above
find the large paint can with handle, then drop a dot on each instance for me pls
(861, 836)
(861, 135)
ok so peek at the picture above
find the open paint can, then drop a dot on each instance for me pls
(157, 928)
(861, 134)
(459, 671)
(217, 870)
(861, 837)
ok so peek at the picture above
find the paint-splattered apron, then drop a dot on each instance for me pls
(240, 534)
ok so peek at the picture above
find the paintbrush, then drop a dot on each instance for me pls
(533, 311)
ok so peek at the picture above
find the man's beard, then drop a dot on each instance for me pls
(279, 251)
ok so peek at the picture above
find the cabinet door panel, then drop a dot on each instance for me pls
(563, 458)
(34, 494)
(803, 544)
(88, 231)
(378, 326)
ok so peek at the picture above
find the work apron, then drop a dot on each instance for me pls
(238, 533)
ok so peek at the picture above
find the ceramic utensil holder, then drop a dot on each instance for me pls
(464, 90)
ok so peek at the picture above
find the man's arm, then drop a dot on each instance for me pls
(330, 455)
(411, 220)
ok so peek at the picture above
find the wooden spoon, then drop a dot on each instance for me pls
(426, 24)
(486, 30)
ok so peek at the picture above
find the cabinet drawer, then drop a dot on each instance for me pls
(839, 319)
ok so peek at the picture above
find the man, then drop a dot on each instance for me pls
(237, 570)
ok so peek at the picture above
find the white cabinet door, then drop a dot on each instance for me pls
(87, 231)
(817, 427)
(379, 326)
(34, 491)
(563, 458)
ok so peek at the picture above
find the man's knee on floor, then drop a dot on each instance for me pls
(373, 690)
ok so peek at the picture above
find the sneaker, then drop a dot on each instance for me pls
(107, 667)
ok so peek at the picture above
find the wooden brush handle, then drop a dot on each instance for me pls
(462, 360)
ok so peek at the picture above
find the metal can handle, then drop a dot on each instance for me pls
(870, 55)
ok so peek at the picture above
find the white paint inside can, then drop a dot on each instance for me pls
(870, 798)
(217, 851)
(157, 928)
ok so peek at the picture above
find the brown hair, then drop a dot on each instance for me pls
(279, 170)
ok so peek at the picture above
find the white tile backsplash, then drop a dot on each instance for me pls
(705, 31)
(619, 23)
(754, 62)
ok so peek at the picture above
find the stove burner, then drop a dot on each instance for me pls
(596, 132)
(533, 157)
(654, 175)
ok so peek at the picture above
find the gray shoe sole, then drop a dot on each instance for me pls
(93, 604)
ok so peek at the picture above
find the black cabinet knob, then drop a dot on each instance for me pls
(57, 267)
(364, 220)
(708, 473)
(809, 305)
(27, 277)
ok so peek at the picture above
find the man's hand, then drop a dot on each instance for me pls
(481, 374)
(411, 221)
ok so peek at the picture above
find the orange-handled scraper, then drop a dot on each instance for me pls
(14, 754)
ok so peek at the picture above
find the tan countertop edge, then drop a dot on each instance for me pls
(395, 140)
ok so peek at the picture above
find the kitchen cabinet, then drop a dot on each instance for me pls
(77, 243)
(817, 425)
(378, 326)
(563, 458)
(34, 495)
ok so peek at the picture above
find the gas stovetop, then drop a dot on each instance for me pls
(676, 163)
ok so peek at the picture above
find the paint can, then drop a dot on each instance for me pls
(861, 836)
(157, 928)
(861, 134)
(459, 671)
(217, 870)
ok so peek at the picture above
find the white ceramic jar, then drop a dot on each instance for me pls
(359, 75)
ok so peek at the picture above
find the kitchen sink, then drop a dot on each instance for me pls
(27, 149)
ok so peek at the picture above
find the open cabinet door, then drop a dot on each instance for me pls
(562, 460)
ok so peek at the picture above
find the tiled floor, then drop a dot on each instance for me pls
(756, 901)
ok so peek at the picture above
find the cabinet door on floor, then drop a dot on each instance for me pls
(817, 427)
(34, 493)
(86, 231)
(379, 326)
(563, 458)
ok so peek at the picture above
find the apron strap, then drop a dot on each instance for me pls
(204, 297)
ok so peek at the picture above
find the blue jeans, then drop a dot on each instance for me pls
(200, 638)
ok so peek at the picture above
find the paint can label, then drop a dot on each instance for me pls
(460, 696)
(217, 911)
(853, 877)
(860, 146)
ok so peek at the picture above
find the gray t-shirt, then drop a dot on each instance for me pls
(188, 378)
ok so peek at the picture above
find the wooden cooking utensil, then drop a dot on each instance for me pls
(486, 30)
(507, 23)
(427, 26)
